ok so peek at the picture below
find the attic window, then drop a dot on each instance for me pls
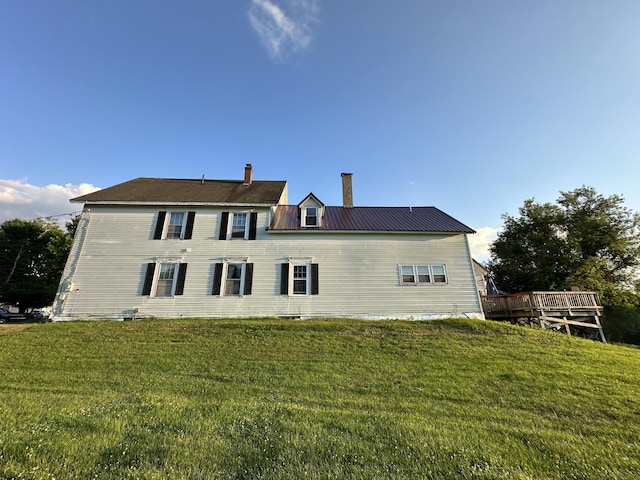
(311, 217)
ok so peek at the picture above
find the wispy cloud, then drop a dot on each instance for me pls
(284, 26)
(19, 199)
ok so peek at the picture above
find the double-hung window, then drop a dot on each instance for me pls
(299, 277)
(177, 225)
(232, 278)
(164, 278)
(238, 225)
(311, 217)
(300, 280)
(423, 274)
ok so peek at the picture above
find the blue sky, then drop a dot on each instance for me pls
(471, 106)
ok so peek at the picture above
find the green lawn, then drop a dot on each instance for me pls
(206, 399)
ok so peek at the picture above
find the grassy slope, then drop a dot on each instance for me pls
(314, 399)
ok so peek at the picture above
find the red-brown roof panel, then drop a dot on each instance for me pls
(381, 219)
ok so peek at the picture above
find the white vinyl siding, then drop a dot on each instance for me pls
(358, 273)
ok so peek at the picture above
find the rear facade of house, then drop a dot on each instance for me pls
(169, 248)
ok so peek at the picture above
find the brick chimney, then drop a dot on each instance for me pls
(347, 190)
(248, 174)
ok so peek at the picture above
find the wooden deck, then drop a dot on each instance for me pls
(554, 310)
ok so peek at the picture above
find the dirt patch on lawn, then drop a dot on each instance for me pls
(7, 329)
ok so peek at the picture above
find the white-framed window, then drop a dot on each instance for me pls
(238, 225)
(310, 217)
(164, 278)
(299, 277)
(300, 280)
(176, 225)
(423, 274)
(166, 281)
(232, 278)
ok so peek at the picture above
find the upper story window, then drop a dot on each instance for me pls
(238, 225)
(423, 274)
(174, 225)
(311, 217)
(311, 211)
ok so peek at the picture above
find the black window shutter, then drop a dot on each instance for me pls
(314, 279)
(284, 279)
(248, 278)
(224, 221)
(188, 232)
(253, 223)
(157, 235)
(182, 273)
(148, 279)
(217, 279)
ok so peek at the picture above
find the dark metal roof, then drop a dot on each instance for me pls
(169, 190)
(381, 219)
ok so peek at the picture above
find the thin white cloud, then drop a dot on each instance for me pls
(19, 199)
(284, 26)
(480, 241)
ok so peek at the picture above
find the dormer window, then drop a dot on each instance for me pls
(311, 217)
(311, 211)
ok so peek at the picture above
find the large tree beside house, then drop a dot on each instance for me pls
(154, 247)
(584, 240)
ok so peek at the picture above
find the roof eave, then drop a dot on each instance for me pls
(414, 232)
(203, 204)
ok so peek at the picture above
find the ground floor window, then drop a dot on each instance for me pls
(299, 277)
(423, 274)
(164, 279)
(232, 278)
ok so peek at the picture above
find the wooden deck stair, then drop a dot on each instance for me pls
(549, 310)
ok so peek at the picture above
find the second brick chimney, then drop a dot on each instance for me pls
(347, 190)
(248, 174)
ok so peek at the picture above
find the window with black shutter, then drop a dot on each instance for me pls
(253, 223)
(232, 279)
(157, 235)
(148, 279)
(224, 225)
(284, 279)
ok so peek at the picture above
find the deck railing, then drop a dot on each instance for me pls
(540, 301)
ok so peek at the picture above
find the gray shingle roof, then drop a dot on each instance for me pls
(169, 190)
(381, 219)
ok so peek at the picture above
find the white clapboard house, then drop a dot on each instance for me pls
(154, 247)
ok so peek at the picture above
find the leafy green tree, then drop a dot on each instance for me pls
(531, 252)
(585, 240)
(32, 256)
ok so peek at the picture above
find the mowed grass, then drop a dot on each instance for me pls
(207, 399)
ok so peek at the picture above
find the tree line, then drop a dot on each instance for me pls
(33, 254)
